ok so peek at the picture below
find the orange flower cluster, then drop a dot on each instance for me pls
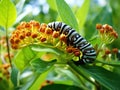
(107, 33)
(5, 70)
(24, 34)
(33, 33)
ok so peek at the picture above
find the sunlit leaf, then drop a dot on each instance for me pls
(38, 82)
(82, 13)
(65, 82)
(66, 14)
(7, 13)
(23, 58)
(52, 4)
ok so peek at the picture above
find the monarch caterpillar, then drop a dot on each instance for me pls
(76, 40)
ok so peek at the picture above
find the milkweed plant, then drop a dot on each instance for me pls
(35, 56)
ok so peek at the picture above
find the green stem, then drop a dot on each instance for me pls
(8, 48)
(72, 65)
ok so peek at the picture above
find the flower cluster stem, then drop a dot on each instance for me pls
(8, 48)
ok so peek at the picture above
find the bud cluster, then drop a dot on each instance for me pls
(107, 33)
(24, 34)
(4, 68)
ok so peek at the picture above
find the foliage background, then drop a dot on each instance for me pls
(29, 74)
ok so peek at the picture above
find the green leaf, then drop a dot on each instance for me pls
(112, 63)
(35, 81)
(117, 69)
(41, 66)
(15, 76)
(65, 82)
(82, 12)
(52, 4)
(43, 48)
(60, 87)
(4, 85)
(8, 13)
(69, 75)
(30, 81)
(39, 81)
(23, 58)
(106, 78)
(66, 14)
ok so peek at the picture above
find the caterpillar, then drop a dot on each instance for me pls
(76, 40)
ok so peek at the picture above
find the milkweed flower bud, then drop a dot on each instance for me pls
(107, 33)
(55, 34)
(63, 37)
(48, 31)
(115, 50)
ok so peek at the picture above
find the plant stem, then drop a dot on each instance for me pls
(72, 65)
(8, 48)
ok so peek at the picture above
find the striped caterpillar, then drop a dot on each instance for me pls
(76, 40)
